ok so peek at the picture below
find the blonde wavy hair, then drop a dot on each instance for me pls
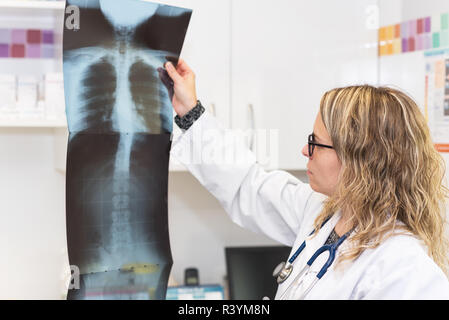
(391, 171)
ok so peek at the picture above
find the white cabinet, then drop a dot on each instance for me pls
(207, 51)
(284, 56)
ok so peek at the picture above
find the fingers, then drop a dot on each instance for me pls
(183, 67)
(174, 75)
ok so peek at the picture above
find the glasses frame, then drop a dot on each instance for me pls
(312, 144)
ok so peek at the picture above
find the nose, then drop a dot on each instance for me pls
(305, 151)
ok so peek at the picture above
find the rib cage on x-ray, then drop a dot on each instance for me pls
(120, 92)
(120, 122)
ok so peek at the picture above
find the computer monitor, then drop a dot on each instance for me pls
(250, 271)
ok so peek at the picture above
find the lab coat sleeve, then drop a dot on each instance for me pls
(273, 203)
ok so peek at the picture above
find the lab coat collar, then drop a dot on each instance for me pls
(313, 243)
(319, 239)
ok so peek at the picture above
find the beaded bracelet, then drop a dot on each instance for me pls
(190, 117)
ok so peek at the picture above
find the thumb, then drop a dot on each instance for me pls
(174, 75)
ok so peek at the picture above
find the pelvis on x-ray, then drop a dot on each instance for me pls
(120, 122)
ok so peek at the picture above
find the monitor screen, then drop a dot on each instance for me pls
(250, 271)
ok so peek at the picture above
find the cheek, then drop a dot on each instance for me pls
(325, 174)
(336, 168)
(331, 167)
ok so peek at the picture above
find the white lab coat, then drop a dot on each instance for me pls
(282, 207)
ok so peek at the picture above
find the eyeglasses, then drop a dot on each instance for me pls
(312, 144)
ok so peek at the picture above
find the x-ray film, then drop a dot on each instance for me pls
(119, 113)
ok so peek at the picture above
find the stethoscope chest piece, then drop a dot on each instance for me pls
(282, 271)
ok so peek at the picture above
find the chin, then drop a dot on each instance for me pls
(313, 186)
(317, 189)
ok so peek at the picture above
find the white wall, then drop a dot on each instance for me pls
(32, 218)
(396, 11)
(407, 71)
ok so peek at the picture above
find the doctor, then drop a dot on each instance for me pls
(370, 225)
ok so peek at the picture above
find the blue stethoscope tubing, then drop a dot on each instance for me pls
(287, 268)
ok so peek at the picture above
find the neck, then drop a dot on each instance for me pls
(344, 224)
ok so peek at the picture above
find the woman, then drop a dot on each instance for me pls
(375, 190)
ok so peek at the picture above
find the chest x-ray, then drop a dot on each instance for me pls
(120, 122)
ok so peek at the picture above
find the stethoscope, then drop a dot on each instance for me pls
(285, 269)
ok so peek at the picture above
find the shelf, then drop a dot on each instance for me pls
(32, 123)
(30, 4)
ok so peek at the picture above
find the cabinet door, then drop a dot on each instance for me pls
(207, 51)
(285, 55)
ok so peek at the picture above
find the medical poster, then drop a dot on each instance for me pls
(120, 123)
(437, 97)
